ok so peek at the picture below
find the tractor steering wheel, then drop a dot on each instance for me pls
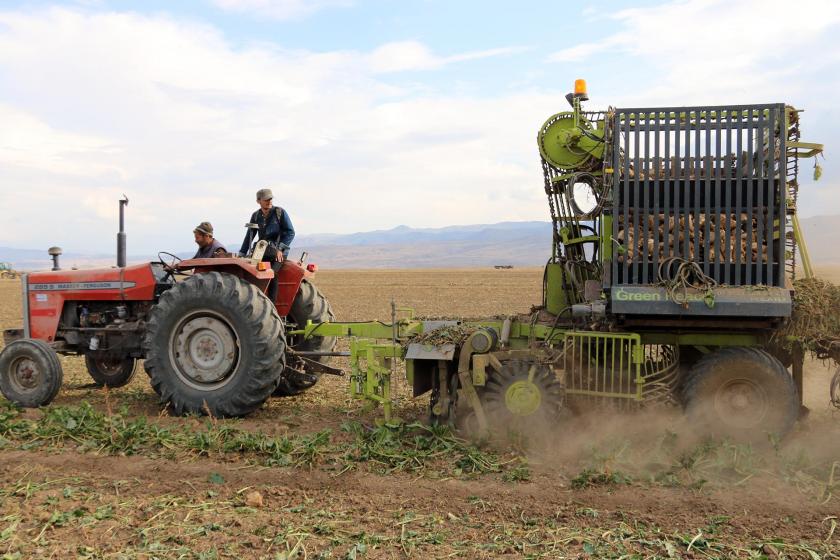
(173, 260)
(169, 267)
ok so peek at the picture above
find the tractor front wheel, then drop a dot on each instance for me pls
(30, 373)
(110, 371)
(214, 345)
(742, 393)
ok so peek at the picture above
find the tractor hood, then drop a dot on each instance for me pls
(135, 282)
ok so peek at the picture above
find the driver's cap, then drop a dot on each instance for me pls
(265, 194)
(204, 227)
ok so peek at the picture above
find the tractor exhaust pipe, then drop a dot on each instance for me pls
(121, 234)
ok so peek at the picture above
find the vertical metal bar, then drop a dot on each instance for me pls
(686, 187)
(697, 184)
(657, 188)
(612, 364)
(668, 185)
(750, 173)
(597, 365)
(637, 185)
(728, 191)
(645, 206)
(739, 174)
(616, 182)
(722, 228)
(677, 186)
(782, 202)
(24, 286)
(621, 371)
(707, 242)
(772, 186)
(761, 184)
(626, 207)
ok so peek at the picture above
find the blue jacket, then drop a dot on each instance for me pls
(276, 228)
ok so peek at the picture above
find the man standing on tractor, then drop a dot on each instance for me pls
(275, 227)
(208, 247)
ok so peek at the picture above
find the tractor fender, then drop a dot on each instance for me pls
(288, 277)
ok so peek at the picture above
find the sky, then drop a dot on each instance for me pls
(359, 114)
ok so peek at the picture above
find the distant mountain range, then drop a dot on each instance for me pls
(506, 243)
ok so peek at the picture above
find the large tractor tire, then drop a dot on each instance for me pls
(214, 345)
(309, 305)
(110, 371)
(30, 373)
(741, 393)
(525, 399)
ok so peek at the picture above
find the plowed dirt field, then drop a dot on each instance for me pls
(110, 475)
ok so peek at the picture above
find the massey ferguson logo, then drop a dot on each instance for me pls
(77, 286)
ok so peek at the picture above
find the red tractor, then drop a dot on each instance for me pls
(213, 342)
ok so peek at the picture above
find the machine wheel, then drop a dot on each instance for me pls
(524, 397)
(214, 344)
(30, 373)
(741, 393)
(309, 305)
(110, 371)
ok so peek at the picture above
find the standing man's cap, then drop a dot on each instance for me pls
(265, 194)
(204, 227)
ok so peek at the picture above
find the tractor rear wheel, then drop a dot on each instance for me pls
(742, 393)
(309, 305)
(110, 371)
(214, 345)
(525, 398)
(30, 373)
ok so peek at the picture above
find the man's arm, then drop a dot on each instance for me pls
(287, 230)
(249, 236)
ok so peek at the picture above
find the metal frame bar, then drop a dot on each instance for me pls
(27, 329)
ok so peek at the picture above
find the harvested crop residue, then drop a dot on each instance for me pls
(106, 475)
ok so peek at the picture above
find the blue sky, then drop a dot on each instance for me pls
(360, 114)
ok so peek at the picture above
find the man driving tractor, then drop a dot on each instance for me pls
(208, 246)
(275, 227)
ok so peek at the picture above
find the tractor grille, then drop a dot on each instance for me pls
(699, 184)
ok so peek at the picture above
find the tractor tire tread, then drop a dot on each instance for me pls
(42, 351)
(704, 368)
(263, 335)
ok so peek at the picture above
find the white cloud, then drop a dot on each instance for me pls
(412, 55)
(190, 127)
(280, 9)
(700, 49)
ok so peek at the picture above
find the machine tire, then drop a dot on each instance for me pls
(183, 335)
(43, 364)
(111, 372)
(521, 403)
(741, 380)
(309, 305)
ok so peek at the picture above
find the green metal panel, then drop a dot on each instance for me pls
(555, 295)
(606, 238)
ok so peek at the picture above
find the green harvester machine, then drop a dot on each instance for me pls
(675, 245)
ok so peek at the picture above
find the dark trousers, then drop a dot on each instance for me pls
(271, 292)
(271, 256)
